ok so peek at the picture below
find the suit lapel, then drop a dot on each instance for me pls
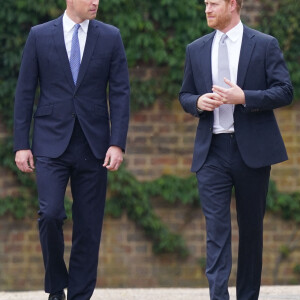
(248, 44)
(204, 60)
(59, 40)
(91, 40)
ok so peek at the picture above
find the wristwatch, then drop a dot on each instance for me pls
(199, 110)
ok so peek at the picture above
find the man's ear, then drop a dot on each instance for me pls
(233, 5)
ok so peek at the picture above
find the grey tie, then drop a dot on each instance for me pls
(225, 110)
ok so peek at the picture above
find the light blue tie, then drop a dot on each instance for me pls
(225, 110)
(75, 54)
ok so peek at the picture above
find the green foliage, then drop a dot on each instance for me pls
(174, 189)
(155, 31)
(25, 203)
(16, 19)
(287, 205)
(155, 34)
(285, 251)
(281, 19)
(127, 193)
(202, 263)
(143, 92)
(297, 269)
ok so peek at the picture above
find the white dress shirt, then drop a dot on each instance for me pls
(233, 42)
(68, 26)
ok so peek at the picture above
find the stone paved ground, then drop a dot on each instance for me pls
(267, 293)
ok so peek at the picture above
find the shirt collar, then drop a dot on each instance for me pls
(234, 33)
(68, 24)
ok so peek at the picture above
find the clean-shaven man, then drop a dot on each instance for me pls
(79, 133)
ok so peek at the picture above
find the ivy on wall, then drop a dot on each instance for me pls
(155, 34)
(281, 19)
(125, 194)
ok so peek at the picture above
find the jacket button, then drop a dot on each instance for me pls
(73, 115)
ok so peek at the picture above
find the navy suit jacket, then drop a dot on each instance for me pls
(45, 62)
(264, 78)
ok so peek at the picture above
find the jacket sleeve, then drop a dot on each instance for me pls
(279, 91)
(25, 94)
(188, 95)
(119, 95)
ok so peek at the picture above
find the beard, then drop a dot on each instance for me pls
(219, 22)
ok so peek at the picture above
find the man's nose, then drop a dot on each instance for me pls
(208, 8)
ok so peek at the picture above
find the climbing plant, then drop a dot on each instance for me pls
(281, 19)
(155, 34)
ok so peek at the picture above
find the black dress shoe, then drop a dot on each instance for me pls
(57, 296)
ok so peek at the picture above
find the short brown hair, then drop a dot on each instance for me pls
(239, 4)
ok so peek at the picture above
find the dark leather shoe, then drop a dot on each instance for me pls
(57, 296)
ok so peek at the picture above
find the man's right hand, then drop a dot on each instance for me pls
(24, 161)
(209, 101)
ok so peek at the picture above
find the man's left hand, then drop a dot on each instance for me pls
(232, 95)
(113, 158)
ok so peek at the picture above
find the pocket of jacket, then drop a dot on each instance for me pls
(100, 111)
(43, 111)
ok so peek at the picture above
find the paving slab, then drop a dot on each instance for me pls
(267, 293)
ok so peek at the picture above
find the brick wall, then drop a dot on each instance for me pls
(160, 142)
(7, 181)
(250, 10)
(287, 174)
(126, 258)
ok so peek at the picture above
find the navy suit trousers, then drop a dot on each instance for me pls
(223, 170)
(88, 185)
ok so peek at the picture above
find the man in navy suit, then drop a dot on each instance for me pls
(237, 138)
(79, 133)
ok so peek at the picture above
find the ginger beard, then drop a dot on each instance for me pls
(219, 17)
